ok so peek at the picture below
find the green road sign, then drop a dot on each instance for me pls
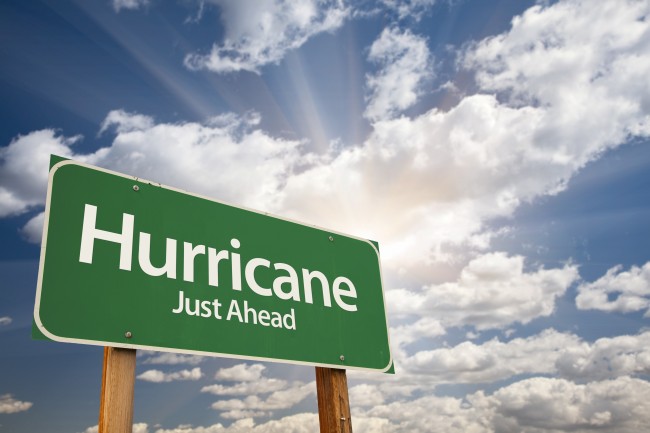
(130, 263)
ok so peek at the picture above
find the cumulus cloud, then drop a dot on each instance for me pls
(550, 99)
(251, 383)
(118, 5)
(223, 158)
(365, 395)
(158, 376)
(6, 320)
(124, 122)
(8, 404)
(24, 169)
(568, 56)
(299, 423)
(425, 327)
(169, 358)
(139, 427)
(260, 386)
(618, 290)
(404, 62)
(241, 373)
(536, 405)
(549, 353)
(492, 291)
(283, 399)
(409, 9)
(606, 358)
(33, 230)
(545, 404)
(262, 32)
(441, 175)
(493, 360)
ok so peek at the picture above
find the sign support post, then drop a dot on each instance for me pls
(333, 402)
(116, 401)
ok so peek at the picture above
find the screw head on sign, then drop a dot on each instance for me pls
(128, 334)
(331, 238)
(342, 358)
(136, 188)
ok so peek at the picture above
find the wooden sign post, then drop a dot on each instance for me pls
(333, 403)
(116, 402)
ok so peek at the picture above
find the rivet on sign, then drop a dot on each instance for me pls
(342, 358)
(136, 188)
(128, 334)
(331, 238)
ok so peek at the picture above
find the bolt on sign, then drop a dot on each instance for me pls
(130, 263)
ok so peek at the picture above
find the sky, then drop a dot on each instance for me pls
(496, 150)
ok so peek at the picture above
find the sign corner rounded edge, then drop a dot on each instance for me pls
(56, 167)
(41, 327)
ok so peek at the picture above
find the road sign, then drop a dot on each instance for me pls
(131, 263)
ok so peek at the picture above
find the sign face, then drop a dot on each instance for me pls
(130, 263)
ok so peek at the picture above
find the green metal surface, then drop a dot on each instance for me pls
(98, 303)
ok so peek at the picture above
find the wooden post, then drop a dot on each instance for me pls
(333, 402)
(116, 401)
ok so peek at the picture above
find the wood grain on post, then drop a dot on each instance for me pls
(333, 402)
(116, 402)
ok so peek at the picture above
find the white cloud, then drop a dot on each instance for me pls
(440, 176)
(282, 394)
(126, 122)
(169, 358)
(259, 386)
(241, 414)
(299, 423)
(33, 230)
(6, 320)
(24, 169)
(137, 428)
(223, 158)
(447, 414)
(241, 373)
(158, 376)
(606, 358)
(411, 9)
(491, 361)
(262, 32)
(536, 405)
(118, 5)
(585, 65)
(550, 353)
(492, 291)
(545, 405)
(8, 404)
(404, 61)
(424, 327)
(365, 395)
(283, 399)
(617, 290)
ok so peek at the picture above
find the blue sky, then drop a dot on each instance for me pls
(497, 151)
